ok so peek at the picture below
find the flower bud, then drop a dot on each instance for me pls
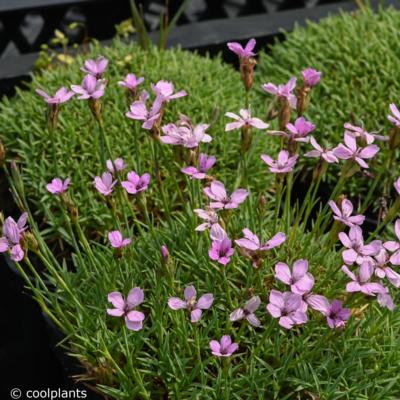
(394, 138)
(284, 113)
(247, 138)
(303, 99)
(31, 242)
(247, 71)
(52, 116)
(96, 107)
(164, 253)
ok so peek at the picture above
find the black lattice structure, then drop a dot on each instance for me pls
(26, 24)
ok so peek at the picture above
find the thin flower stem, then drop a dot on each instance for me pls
(227, 288)
(289, 184)
(278, 197)
(53, 148)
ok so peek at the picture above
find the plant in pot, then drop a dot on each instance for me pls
(190, 271)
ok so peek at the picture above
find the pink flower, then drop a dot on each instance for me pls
(253, 247)
(205, 163)
(185, 133)
(216, 191)
(164, 91)
(299, 279)
(136, 183)
(395, 118)
(224, 348)
(221, 248)
(57, 186)
(105, 183)
(287, 307)
(300, 130)
(283, 164)
(360, 282)
(285, 91)
(253, 243)
(344, 215)
(117, 241)
(209, 216)
(336, 315)
(351, 151)
(133, 319)
(382, 270)
(62, 95)
(245, 52)
(358, 132)
(138, 111)
(194, 306)
(90, 88)
(327, 155)
(394, 246)
(96, 67)
(356, 250)
(397, 185)
(12, 235)
(385, 300)
(131, 82)
(247, 312)
(311, 76)
(244, 119)
(119, 164)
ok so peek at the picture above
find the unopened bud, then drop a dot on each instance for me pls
(31, 242)
(247, 71)
(164, 253)
(70, 206)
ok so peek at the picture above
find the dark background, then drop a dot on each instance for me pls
(28, 356)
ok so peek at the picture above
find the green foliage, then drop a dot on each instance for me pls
(213, 89)
(170, 357)
(358, 54)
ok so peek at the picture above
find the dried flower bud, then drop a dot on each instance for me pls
(247, 71)
(247, 138)
(303, 99)
(284, 113)
(52, 116)
(96, 107)
(394, 138)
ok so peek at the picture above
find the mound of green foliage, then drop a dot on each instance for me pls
(213, 89)
(358, 54)
(170, 357)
